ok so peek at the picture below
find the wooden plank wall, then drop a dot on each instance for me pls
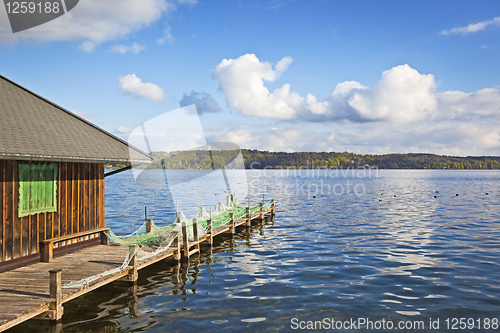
(80, 201)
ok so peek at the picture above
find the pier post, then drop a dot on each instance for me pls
(46, 251)
(261, 212)
(232, 228)
(185, 243)
(273, 208)
(104, 238)
(209, 232)
(177, 244)
(196, 238)
(56, 310)
(132, 274)
(149, 225)
(249, 218)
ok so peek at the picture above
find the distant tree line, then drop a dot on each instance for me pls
(254, 159)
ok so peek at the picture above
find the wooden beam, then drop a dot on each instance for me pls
(117, 171)
(185, 242)
(177, 244)
(133, 275)
(101, 205)
(2, 210)
(232, 224)
(210, 232)
(196, 238)
(8, 208)
(149, 225)
(46, 252)
(16, 221)
(33, 313)
(93, 224)
(47, 245)
(104, 238)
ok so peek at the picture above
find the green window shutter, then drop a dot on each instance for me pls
(37, 188)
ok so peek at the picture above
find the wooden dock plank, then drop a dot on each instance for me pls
(28, 287)
(19, 285)
(15, 320)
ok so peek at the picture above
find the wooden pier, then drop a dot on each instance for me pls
(40, 290)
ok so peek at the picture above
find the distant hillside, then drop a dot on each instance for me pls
(255, 159)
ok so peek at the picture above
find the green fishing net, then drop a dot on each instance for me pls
(151, 235)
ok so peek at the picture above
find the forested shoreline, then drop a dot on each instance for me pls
(255, 159)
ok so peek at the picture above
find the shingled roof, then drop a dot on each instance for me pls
(33, 128)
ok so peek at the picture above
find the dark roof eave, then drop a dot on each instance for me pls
(68, 159)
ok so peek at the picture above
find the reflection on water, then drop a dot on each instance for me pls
(392, 245)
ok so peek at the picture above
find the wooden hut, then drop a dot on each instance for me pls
(51, 175)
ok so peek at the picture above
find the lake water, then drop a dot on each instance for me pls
(416, 248)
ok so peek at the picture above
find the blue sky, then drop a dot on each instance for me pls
(359, 76)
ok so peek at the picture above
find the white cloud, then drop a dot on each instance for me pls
(473, 27)
(289, 140)
(449, 138)
(122, 130)
(402, 94)
(187, 2)
(462, 139)
(316, 107)
(242, 80)
(402, 112)
(87, 47)
(122, 49)
(171, 131)
(240, 137)
(98, 21)
(94, 21)
(460, 106)
(167, 37)
(282, 65)
(133, 85)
